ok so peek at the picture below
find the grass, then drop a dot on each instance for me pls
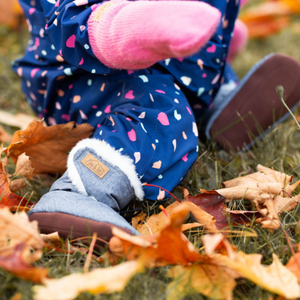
(279, 149)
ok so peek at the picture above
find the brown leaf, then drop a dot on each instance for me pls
(24, 246)
(23, 166)
(213, 203)
(275, 278)
(156, 222)
(269, 190)
(19, 230)
(17, 184)
(169, 246)
(14, 263)
(98, 281)
(47, 147)
(9, 199)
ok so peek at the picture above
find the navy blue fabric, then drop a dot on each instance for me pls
(148, 115)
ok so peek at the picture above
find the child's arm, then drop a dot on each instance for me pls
(135, 35)
(128, 35)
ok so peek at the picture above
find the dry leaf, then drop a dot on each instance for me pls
(19, 230)
(23, 166)
(206, 278)
(268, 190)
(18, 120)
(14, 263)
(213, 204)
(47, 147)
(294, 264)
(155, 222)
(169, 246)
(98, 281)
(9, 199)
(138, 220)
(24, 246)
(275, 278)
(17, 184)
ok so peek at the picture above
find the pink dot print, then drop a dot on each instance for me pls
(129, 95)
(71, 41)
(132, 135)
(163, 119)
(107, 110)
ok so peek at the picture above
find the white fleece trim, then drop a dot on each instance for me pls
(112, 156)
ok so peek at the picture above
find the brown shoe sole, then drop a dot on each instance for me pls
(73, 227)
(257, 106)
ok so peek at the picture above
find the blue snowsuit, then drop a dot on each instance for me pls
(149, 115)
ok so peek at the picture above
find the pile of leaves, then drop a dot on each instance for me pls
(190, 237)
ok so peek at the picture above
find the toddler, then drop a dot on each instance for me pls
(141, 73)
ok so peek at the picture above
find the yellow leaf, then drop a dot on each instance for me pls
(98, 281)
(206, 278)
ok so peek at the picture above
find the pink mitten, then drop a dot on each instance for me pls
(239, 39)
(135, 35)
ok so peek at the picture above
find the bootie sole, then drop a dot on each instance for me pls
(256, 106)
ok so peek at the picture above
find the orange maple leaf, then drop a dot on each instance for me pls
(169, 246)
(47, 147)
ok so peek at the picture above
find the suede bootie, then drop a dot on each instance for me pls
(98, 183)
(246, 113)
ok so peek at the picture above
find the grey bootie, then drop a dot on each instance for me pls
(98, 183)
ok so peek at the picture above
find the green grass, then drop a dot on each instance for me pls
(279, 150)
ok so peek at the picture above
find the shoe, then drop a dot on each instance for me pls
(254, 106)
(98, 183)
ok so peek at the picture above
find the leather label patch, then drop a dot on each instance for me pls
(95, 165)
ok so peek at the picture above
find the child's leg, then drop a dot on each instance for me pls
(150, 136)
(239, 116)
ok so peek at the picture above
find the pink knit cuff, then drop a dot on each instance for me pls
(95, 28)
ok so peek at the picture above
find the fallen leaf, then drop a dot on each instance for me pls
(47, 147)
(155, 222)
(14, 263)
(23, 166)
(294, 264)
(19, 230)
(98, 281)
(270, 191)
(20, 245)
(169, 246)
(138, 220)
(18, 120)
(9, 199)
(17, 184)
(213, 203)
(206, 278)
(275, 278)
